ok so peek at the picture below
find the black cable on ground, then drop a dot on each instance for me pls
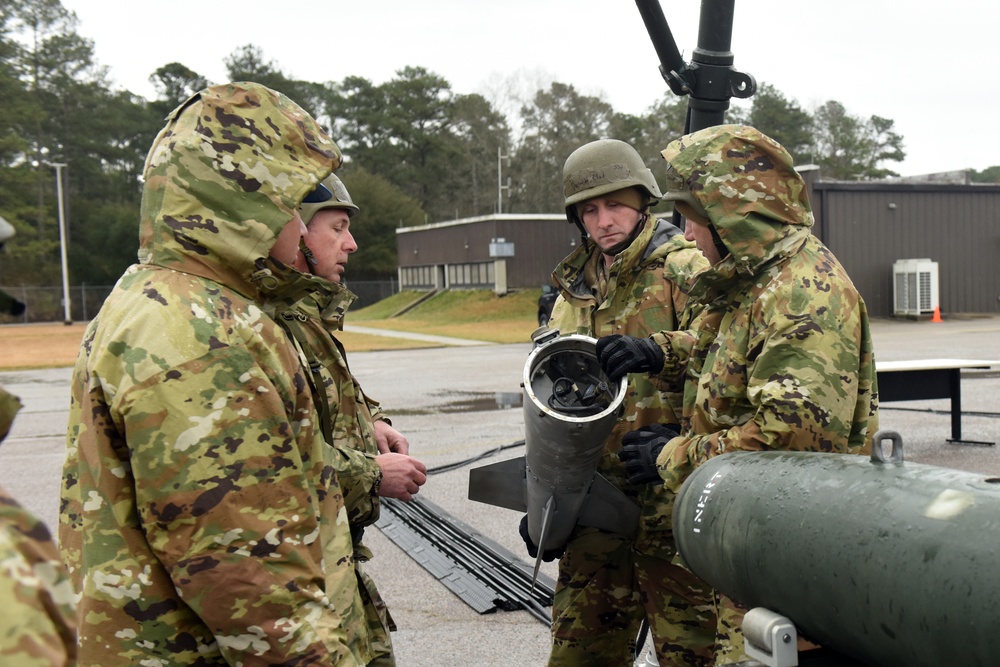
(933, 411)
(458, 464)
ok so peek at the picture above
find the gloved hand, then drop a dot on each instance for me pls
(619, 355)
(640, 449)
(550, 555)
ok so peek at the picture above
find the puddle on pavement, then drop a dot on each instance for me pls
(501, 400)
(470, 402)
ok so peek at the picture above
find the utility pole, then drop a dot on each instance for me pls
(500, 186)
(62, 240)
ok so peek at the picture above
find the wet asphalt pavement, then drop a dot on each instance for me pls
(460, 402)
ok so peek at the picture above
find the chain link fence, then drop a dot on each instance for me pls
(371, 291)
(45, 304)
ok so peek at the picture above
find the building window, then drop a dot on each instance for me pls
(417, 277)
(470, 275)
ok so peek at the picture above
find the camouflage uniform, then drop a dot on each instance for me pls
(311, 312)
(785, 359)
(38, 620)
(607, 584)
(201, 516)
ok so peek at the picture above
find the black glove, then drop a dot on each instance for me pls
(640, 449)
(619, 355)
(550, 555)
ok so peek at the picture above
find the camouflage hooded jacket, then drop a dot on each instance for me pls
(312, 310)
(201, 516)
(645, 292)
(784, 359)
(38, 621)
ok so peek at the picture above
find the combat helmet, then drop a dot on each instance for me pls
(604, 166)
(330, 193)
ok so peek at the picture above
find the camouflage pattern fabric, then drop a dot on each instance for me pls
(784, 358)
(606, 585)
(38, 622)
(378, 620)
(201, 516)
(311, 309)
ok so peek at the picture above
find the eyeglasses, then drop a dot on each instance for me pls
(320, 194)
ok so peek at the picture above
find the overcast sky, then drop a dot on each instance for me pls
(929, 66)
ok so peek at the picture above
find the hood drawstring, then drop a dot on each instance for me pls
(263, 277)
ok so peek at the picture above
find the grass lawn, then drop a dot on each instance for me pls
(473, 314)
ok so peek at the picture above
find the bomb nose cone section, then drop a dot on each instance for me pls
(570, 407)
(563, 379)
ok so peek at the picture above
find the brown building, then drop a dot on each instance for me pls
(870, 226)
(502, 252)
(951, 230)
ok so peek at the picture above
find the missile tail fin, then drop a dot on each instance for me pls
(501, 484)
(607, 508)
(547, 513)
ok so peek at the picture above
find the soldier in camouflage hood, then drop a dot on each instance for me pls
(630, 276)
(38, 621)
(201, 515)
(371, 457)
(784, 357)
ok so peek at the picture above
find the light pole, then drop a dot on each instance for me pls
(62, 240)
(500, 186)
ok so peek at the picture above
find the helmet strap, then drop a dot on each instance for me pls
(717, 241)
(584, 239)
(572, 217)
(310, 258)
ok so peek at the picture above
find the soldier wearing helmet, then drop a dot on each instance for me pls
(606, 174)
(629, 277)
(200, 514)
(327, 212)
(370, 456)
(787, 361)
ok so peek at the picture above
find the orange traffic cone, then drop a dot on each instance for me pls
(937, 314)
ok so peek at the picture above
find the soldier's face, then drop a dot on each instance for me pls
(701, 235)
(286, 246)
(329, 238)
(608, 222)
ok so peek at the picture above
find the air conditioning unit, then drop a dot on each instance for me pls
(914, 286)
